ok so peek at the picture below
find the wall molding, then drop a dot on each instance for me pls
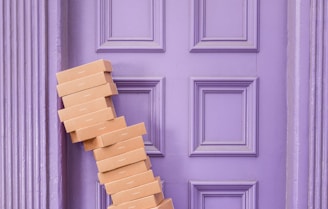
(24, 112)
(247, 145)
(102, 198)
(306, 186)
(297, 107)
(318, 144)
(248, 42)
(107, 43)
(246, 190)
(155, 88)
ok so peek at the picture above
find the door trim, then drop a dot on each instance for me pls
(306, 182)
(56, 17)
(318, 136)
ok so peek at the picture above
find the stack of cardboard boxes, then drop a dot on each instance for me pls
(89, 116)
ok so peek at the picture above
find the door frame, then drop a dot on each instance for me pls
(306, 104)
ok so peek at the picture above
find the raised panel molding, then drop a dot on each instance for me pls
(199, 191)
(153, 43)
(248, 41)
(154, 88)
(247, 145)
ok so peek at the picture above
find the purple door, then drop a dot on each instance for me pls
(208, 79)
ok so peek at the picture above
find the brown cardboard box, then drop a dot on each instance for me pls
(83, 83)
(116, 136)
(121, 160)
(165, 204)
(126, 171)
(123, 134)
(88, 119)
(129, 182)
(84, 108)
(151, 188)
(89, 133)
(145, 202)
(84, 70)
(118, 148)
(92, 144)
(104, 90)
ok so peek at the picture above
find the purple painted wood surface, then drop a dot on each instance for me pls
(32, 173)
(254, 141)
(318, 143)
(23, 109)
(31, 144)
(298, 104)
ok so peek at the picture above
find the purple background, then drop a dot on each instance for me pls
(190, 72)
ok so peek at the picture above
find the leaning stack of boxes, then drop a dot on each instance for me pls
(89, 117)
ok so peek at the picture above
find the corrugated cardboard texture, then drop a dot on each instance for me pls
(145, 202)
(137, 192)
(104, 90)
(88, 119)
(126, 171)
(118, 148)
(89, 133)
(84, 83)
(83, 70)
(121, 160)
(85, 108)
(123, 134)
(165, 204)
(129, 182)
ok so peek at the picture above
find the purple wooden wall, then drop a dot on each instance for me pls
(31, 145)
(23, 107)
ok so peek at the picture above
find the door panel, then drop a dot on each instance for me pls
(208, 79)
